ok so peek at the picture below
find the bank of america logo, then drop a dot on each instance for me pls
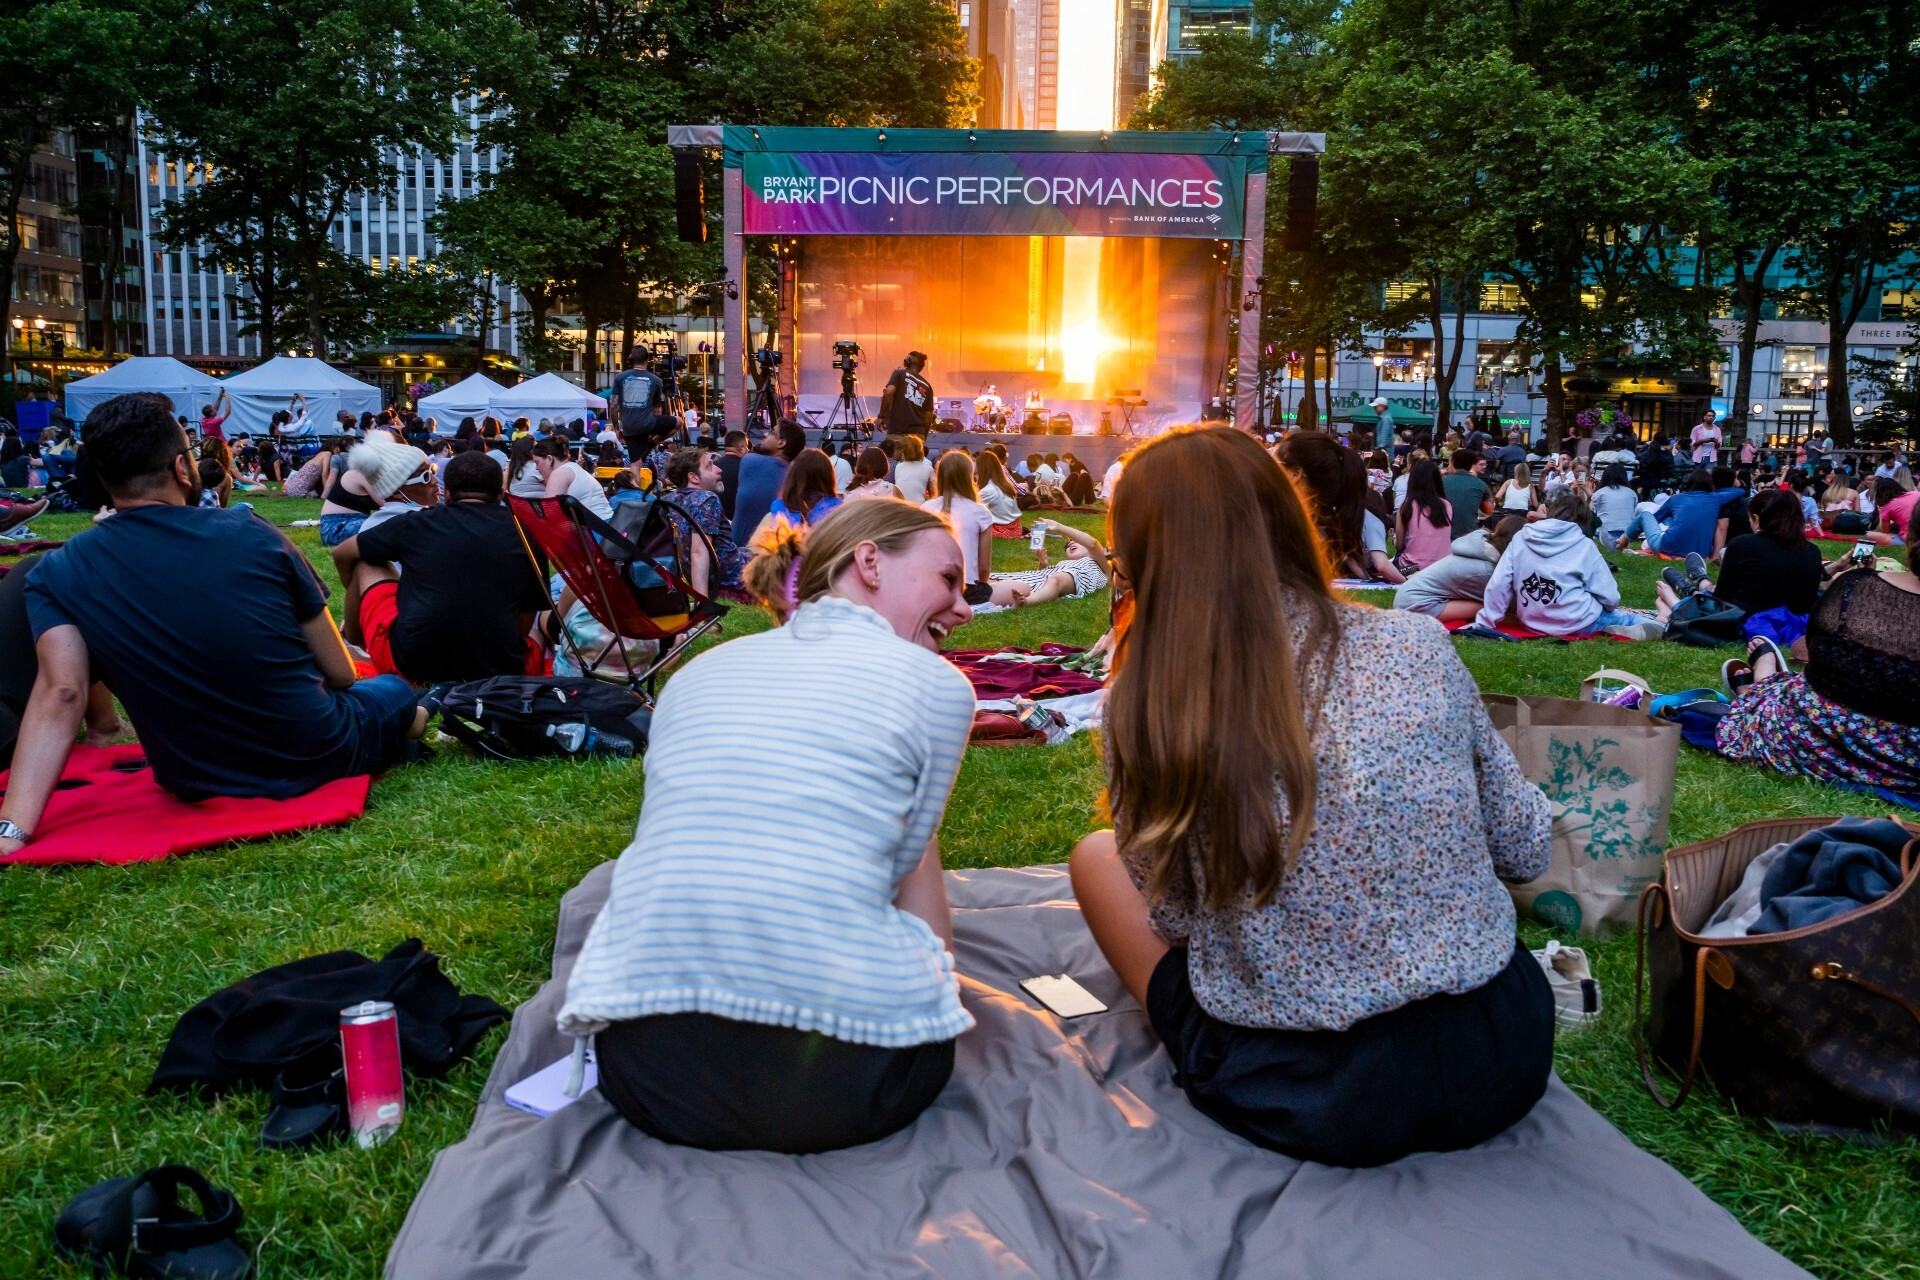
(1213, 217)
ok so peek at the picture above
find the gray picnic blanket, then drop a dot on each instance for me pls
(1059, 1149)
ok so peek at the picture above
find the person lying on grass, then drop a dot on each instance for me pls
(468, 598)
(1083, 572)
(245, 692)
(773, 968)
(1254, 894)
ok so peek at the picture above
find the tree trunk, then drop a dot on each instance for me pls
(1326, 380)
(316, 315)
(1556, 395)
(537, 307)
(590, 321)
(1446, 362)
(1846, 290)
(1306, 414)
(629, 322)
(1749, 292)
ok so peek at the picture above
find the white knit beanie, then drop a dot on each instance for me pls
(386, 466)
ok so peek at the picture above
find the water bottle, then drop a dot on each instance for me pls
(609, 744)
(570, 738)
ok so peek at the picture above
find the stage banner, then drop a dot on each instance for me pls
(928, 193)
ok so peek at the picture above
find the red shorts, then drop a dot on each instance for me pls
(379, 609)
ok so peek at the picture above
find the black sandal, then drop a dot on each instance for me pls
(138, 1227)
(309, 1102)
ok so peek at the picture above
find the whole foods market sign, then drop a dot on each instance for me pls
(993, 194)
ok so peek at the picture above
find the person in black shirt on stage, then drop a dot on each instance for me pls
(906, 406)
(466, 597)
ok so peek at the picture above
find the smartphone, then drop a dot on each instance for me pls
(545, 1091)
(1062, 995)
(1863, 551)
(1039, 536)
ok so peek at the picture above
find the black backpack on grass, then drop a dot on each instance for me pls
(1707, 622)
(526, 717)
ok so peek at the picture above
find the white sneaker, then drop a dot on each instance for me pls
(1576, 994)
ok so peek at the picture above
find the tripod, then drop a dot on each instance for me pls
(763, 411)
(845, 412)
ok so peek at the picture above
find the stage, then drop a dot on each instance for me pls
(1071, 267)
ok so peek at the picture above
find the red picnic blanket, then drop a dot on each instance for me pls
(109, 809)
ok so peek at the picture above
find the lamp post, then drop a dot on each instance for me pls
(1378, 361)
(20, 326)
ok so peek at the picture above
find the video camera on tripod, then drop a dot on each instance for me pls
(847, 356)
(766, 362)
(666, 355)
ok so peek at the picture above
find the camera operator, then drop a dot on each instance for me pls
(906, 406)
(634, 401)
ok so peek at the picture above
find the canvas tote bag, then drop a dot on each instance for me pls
(1609, 773)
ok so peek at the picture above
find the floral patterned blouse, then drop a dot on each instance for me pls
(704, 507)
(1397, 894)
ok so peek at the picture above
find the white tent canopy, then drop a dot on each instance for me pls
(267, 388)
(547, 396)
(188, 388)
(471, 397)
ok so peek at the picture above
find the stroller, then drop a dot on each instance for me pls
(629, 573)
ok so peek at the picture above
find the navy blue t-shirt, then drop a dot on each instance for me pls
(761, 475)
(192, 617)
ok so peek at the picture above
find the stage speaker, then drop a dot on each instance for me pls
(689, 199)
(1303, 192)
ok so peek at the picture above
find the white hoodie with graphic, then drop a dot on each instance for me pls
(1554, 580)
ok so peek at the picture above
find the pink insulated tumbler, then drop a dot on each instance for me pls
(376, 1094)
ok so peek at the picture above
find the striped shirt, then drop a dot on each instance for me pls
(794, 778)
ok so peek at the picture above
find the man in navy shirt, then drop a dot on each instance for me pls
(254, 695)
(762, 472)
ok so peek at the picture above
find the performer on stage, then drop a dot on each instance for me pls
(906, 405)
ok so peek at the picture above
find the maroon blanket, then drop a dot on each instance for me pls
(995, 679)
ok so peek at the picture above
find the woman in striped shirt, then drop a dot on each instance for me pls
(773, 968)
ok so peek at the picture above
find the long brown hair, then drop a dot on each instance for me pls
(1214, 696)
(988, 470)
(953, 478)
(1333, 480)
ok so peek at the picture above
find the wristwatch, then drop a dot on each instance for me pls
(8, 831)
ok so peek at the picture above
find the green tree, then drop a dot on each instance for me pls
(63, 63)
(289, 109)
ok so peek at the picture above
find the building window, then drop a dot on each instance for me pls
(1900, 304)
(1401, 291)
(26, 229)
(1800, 369)
(1407, 360)
(1497, 360)
(1499, 297)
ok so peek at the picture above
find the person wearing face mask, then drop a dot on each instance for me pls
(255, 698)
(773, 969)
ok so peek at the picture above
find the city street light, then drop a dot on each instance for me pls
(1378, 360)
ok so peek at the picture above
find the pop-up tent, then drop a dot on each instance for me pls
(547, 396)
(267, 388)
(189, 389)
(471, 397)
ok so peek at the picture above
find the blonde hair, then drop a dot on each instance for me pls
(1838, 490)
(824, 550)
(953, 478)
(909, 448)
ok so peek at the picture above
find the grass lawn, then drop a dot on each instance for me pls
(97, 963)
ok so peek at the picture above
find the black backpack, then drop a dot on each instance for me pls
(1707, 623)
(525, 717)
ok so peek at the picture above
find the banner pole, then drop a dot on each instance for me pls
(737, 345)
(1253, 243)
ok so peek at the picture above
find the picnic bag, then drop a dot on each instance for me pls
(1609, 773)
(525, 717)
(1815, 1029)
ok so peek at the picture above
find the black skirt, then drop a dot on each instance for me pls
(721, 1085)
(1439, 1074)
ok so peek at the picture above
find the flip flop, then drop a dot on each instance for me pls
(1735, 675)
(308, 1101)
(1779, 654)
(137, 1226)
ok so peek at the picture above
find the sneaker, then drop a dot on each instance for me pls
(1696, 567)
(1648, 630)
(1576, 994)
(1673, 577)
(17, 515)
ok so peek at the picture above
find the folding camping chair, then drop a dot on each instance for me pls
(634, 583)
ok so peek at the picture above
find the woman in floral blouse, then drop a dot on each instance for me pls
(1303, 883)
